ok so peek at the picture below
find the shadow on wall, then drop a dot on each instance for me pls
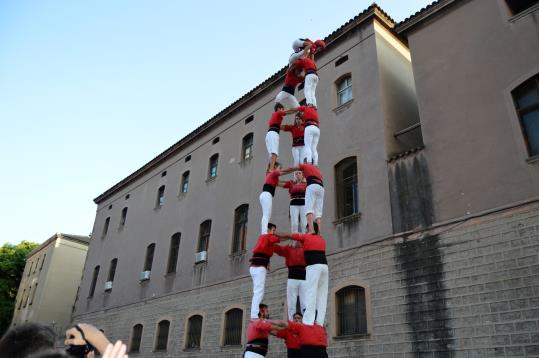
(410, 191)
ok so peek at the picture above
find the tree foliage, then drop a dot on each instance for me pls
(12, 262)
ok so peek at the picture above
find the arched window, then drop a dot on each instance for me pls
(124, 217)
(518, 6)
(185, 182)
(351, 311)
(173, 252)
(526, 98)
(106, 227)
(233, 327)
(346, 187)
(112, 273)
(204, 236)
(247, 147)
(162, 335)
(160, 200)
(148, 262)
(136, 338)
(94, 282)
(344, 90)
(194, 332)
(212, 170)
(240, 228)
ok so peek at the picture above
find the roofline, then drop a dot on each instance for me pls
(85, 240)
(373, 11)
(411, 22)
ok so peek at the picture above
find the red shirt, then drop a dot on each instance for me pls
(294, 256)
(264, 244)
(258, 329)
(297, 134)
(306, 64)
(310, 114)
(291, 79)
(314, 335)
(311, 242)
(291, 338)
(276, 119)
(272, 178)
(310, 170)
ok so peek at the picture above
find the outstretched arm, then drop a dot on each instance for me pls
(289, 170)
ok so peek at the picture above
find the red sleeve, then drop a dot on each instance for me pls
(276, 174)
(279, 250)
(263, 326)
(287, 128)
(273, 239)
(294, 326)
(298, 237)
(301, 167)
(302, 108)
(281, 334)
(287, 184)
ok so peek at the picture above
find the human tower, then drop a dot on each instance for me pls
(303, 332)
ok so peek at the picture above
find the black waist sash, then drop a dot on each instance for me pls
(260, 259)
(297, 201)
(298, 142)
(313, 257)
(310, 123)
(311, 71)
(274, 128)
(269, 188)
(314, 351)
(296, 272)
(314, 180)
(289, 89)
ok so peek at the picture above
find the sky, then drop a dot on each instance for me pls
(84, 83)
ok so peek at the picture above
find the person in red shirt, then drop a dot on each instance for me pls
(311, 122)
(258, 269)
(272, 136)
(313, 339)
(314, 193)
(296, 189)
(306, 64)
(271, 181)
(286, 96)
(295, 285)
(258, 333)
(298, 143)
(316, 277)
(291, 338)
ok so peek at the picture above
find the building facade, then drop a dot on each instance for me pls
(429, 153)
(50, 282)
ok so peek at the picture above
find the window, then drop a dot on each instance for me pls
(160, 200)
(33, 294)
(526, 98)
(124, 217)
(94, 282)
(164, 174)
(204, 236)
(240, 228)
(215, 140)
(247, 147)
(249, 119)
(185, 182)
(149, 257)
(110, 206)
(344, 90)
(42, 262)
(351, 311)
(112, 269)
(233, 327)
(173, 252)
(105, 227)
(341, 60)
(162, 335)
(127, 196)
(22, 299)
(136, 337)
(212, 172)
(30, 269)
(194, 332)
(188, 158)
(346, 180)
(37, 263)
(28, 296)
(517, 6)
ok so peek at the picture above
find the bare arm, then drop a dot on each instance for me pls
(289, 170)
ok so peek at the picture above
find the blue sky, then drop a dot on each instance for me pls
(83, 84)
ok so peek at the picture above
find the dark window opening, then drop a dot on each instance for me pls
(212, 172)
(347, 188)
(173, 252)
(240, 228)
(124, 217)
(194, 332)
(162, 336)
(247, 147)
(160, 200)
(185, 182)
(526, 99)
(215, 140)
(233, 327)
(148, 262)
(204, 236)
(112, 270)
(136, 337)
(127, 196)
(163, 174)
(518, 6)
(249, 119)
(341, 60)
(188, 158)
(94, 282)
(106, 227)
(351, 311)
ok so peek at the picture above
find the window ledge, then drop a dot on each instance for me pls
(352, 337)
(170, 274)
(245, 162)
(231, 347)
(524, 13)
(533, 159)
(343, 106)
(210, 180)
(157, 208)
(182, 195)
(191, 349)
(349, 218)
(121, 228)
(237, 254)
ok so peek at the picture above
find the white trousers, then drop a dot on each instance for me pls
(316, 280)
(314, 200)
(297, 44)
(298, 218)
(287, 100)
(294, 289)
(258, 274)
(252, 355)
(266, 201)
(311, 136)
(272, 143)
(297, 155)
(311, 80)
